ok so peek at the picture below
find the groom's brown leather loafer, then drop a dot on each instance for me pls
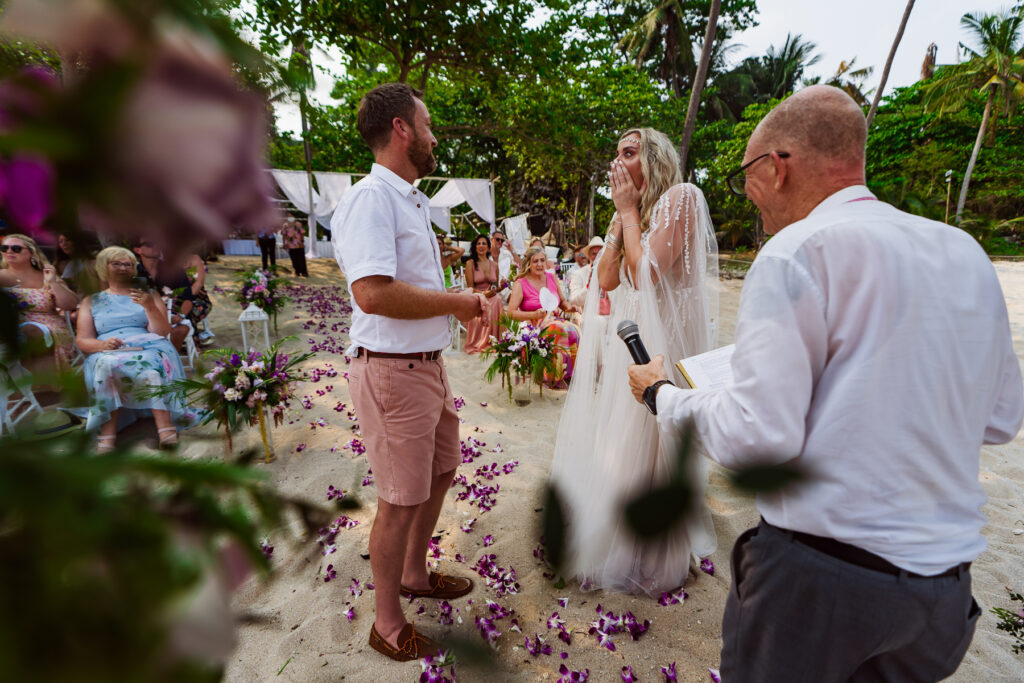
(411, 645)
(442, 587)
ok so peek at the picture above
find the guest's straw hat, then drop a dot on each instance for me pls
(596, 242)
(48, 424)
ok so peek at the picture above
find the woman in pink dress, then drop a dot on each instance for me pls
(525, 304)
(29, 277)
(482, 277)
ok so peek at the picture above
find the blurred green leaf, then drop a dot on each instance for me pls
(767, 478)
(553, 528)
(658, 511)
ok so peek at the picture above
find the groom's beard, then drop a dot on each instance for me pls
(422, 157)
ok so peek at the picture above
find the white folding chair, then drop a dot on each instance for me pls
(191, 353)
(15, 379)
(458, 329)
(77, 357)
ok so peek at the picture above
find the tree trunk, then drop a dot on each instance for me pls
(590, 215)
(698, 83)
(888, 63)
(974, 154)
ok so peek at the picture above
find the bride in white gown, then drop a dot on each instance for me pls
(608, 448)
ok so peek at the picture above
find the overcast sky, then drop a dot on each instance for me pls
(865, 29)
(842, 30)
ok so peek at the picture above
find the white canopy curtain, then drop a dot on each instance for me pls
(332, 187)
(475, 192)
(295, 185)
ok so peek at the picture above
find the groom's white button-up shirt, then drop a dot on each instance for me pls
(382, 227)
(872, 348)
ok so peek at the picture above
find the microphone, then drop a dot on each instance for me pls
(629, 332)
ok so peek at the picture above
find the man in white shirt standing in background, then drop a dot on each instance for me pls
(386, 248)
(873, 350)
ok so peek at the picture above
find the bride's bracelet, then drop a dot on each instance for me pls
(631, 225)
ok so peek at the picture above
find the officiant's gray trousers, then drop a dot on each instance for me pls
(796, 614)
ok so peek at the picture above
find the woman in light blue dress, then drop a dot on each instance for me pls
(123, 332)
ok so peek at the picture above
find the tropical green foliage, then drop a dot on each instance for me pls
(101, 558)
(995, 67)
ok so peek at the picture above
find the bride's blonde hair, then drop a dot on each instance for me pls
(659, 163)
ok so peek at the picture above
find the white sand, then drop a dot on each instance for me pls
(295, 621)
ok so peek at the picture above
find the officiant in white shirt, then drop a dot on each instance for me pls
(873, 350)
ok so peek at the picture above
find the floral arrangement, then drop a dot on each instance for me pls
(523, 351)
(239, 386)
(260, 287)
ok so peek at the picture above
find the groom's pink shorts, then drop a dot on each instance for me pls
(410, 428)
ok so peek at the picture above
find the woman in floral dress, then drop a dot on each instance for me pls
(29, 277)
(123, 332)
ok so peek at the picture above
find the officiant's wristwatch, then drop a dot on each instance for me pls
(651, 395)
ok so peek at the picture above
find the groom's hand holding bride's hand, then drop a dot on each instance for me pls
(643, 376)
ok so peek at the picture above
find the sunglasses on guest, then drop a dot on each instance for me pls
(15, 248)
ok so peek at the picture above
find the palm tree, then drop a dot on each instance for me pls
(663, 27)
(783, 68)
(888, 62)
(759, 79)
(849, 80)
(698, 83)
(995, 68)
(928, 65)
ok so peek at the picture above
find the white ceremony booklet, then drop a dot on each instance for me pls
(708, 370)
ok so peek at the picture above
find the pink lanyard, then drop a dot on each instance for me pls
(862, 199)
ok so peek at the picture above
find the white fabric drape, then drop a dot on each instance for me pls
(295, 185)
(475, 192)
(332, 187)
(516, 232)
(608, 448)
(441, 216)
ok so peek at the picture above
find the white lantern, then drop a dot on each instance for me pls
(251, 319)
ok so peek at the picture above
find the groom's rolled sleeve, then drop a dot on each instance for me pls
(781, 347)
(364, 230)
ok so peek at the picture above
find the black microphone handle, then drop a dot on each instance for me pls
(637, 350)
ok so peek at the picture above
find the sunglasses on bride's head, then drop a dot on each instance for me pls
(15, 248)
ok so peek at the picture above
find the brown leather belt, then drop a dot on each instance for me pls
(859, 556)
(422, 355)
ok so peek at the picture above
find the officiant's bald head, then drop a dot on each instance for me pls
(815, 142)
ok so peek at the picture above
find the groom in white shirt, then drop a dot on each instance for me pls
(873, 350)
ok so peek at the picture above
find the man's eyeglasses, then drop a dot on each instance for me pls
(123, 265)
(14, 248)
(737, 180)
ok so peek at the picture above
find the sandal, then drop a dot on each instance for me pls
(442, 587)
(105, 444)
(170, 442)
(411, 645)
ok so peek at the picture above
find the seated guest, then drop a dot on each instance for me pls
(29, 277)
(580, 279)
(122, 330)
(450, 255)
(482, 277)
(201, 302)
(504, 255)
(525, 304)
(166, 279)
(294, 239)
(75, 265)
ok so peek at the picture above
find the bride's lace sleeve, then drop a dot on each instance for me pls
(679, 265)
(675, 241)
